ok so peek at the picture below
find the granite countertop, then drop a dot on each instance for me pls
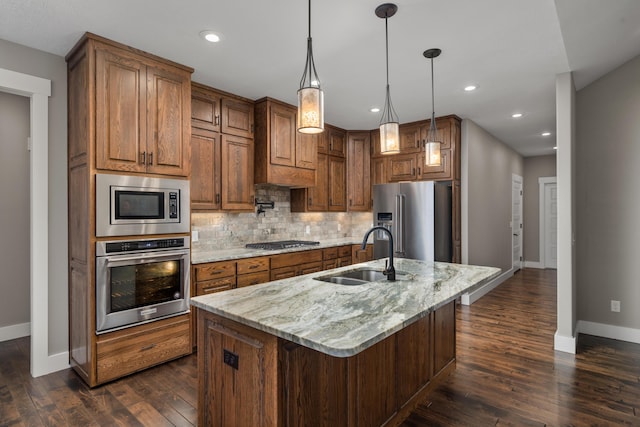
(204, 256)
(341, 320)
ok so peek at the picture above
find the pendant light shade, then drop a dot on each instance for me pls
(389, 123)
(432, 155)
(310, 95)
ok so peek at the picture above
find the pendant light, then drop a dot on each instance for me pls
(432, 144)
(310, 95)
(389, 123)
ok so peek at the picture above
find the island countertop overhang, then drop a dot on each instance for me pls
(340, 320)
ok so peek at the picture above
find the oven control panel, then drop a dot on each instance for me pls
(143, 245)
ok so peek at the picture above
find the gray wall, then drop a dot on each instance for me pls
(14, 193)
(608, 199)
(489, 168)
(40, 64)
(534, 168)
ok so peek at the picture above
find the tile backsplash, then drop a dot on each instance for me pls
(224, 230)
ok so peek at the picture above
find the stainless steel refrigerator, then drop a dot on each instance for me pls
(418, 214)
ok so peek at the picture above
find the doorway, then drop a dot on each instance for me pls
(38, 90)
(548, 230)
(516, 222)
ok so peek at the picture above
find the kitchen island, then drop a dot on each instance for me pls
(301, 351)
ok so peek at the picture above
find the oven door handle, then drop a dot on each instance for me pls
(139, 258)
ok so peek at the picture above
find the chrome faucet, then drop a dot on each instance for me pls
(389, 271)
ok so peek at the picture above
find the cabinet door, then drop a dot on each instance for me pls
(307, 150)
(444, 336)
(121, 119)
(375, 142)
(237, 173)
(337, 184)
(443, 130)
(283, 135)
(359, 173)
(402, 167)
(205, 109)
(237, 117)
(441, 171)
(337, 141)
(205, 172)
(318, 196)
(410, 138)
(379, 170)
(168, 122)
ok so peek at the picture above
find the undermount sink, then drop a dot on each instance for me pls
(359, 276)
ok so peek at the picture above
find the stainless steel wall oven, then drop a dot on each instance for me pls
(138, 281)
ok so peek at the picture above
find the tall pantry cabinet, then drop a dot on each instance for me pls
(129, 112)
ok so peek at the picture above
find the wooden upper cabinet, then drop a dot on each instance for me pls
(205, 109)
(222, 164)
(283, 156)
(403, 167)
(410, 135)
(359, 171)
(205, 172)
(237, 117)
(379, 170)
(336, 141)
(316, 198)
(142, 114)
(337, 184)
(237, 173)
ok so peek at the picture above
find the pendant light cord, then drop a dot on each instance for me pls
(309, 18)
(433, 105)
(386, 36)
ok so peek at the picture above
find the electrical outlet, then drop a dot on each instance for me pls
(307, 229)
(194, 235)
(615, 306)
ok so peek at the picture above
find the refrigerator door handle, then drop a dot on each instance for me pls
(399, 243)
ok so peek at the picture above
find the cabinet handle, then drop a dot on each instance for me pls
(253, 267)
(419, 173)
(310, 201)
(148, 347)
(217, 120)
(217, 197)
(413, 171)
(151, 158)
(143, 158)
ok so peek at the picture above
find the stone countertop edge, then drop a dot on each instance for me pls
(340, 320)
(202, 256)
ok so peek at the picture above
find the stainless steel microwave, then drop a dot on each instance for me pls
(129, 205)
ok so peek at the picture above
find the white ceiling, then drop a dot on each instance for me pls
(510, 49)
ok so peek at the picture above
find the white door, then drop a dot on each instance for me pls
(550, 229)
(516, 221)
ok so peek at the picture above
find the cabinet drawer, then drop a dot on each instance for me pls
(344, 251)
(253, 278)
(253, 265)
(282, 273)
(330, 253)
(330, 264)
(124, 354)
(215, 270)
(218, 285)
(310, 267)
(296, 258)
(344, 261)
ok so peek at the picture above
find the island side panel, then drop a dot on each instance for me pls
(237, 374)
(444, 336)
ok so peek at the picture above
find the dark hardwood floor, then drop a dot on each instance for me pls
(507, 374)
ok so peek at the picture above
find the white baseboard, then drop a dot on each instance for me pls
(56, 362)
(609, 331)
(471, 297)
(533, 264)
(564, 343)
(15, 331)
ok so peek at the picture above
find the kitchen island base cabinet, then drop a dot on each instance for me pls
(250, 377)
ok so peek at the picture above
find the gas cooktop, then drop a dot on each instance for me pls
(282, 244)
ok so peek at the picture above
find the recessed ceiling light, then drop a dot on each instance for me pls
(470, 88)
(546, 133)
(211, 36)
(516, 115)
(374, 110)
(555, 148)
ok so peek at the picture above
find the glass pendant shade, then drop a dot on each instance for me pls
(310, 95)
(310, 110)
(390, 138)
(432, 155)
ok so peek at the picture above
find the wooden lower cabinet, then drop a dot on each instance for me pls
(250, 377)
(133, 349)
(359, 255)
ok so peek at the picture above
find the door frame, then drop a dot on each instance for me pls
(542, 183)
(38, 90)
(515, 266)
